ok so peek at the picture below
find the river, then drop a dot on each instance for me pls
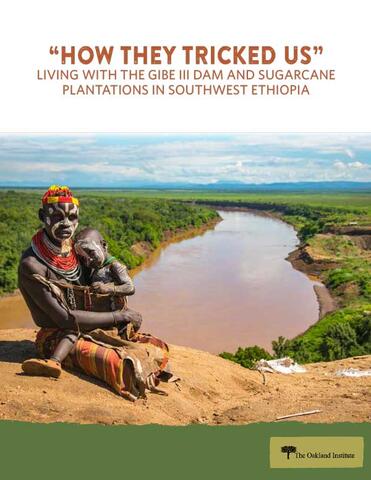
(229, 287)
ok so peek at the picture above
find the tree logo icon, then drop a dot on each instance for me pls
(288, 449)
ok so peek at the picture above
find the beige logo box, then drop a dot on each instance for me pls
(316, 452)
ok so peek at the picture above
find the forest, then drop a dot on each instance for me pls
(122, 221)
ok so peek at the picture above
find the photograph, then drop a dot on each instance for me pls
(177, 279)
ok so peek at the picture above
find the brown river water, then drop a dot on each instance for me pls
(229, 287)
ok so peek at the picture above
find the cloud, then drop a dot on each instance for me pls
(358, 165)
(340, 165)
(119, 160)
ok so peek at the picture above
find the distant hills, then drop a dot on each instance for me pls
(336, 186)
(292, 186)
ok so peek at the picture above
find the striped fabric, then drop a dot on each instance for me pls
(94, 360)
(148, 338)
(102, 362)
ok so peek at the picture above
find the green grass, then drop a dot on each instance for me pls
(309, 213)
(349, 201)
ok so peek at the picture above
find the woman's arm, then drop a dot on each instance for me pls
(49, 304)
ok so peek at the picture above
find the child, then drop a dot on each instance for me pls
(106, 275)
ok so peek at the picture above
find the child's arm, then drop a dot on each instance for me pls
(121, 285)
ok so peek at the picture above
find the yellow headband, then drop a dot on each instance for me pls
(63, 200)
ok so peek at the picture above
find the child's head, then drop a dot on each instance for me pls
(91, 247)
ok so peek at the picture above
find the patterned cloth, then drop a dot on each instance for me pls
(129, 367)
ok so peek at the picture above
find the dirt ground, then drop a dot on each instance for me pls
(212, 390)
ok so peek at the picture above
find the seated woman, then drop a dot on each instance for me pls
(107, 276)
(51, 259)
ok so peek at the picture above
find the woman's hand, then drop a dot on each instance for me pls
(123, 317)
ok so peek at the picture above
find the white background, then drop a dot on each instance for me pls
(29, 28)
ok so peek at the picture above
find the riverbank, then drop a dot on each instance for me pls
(327, 303)
(334, 249)
(14, 311)
(212, 391)
(150, 254)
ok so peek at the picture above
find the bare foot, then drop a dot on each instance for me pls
(42, 368)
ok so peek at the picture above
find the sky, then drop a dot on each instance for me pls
(121, 160)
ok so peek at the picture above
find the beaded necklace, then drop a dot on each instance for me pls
(65, 265)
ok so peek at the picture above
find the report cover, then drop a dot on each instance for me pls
(185, 224)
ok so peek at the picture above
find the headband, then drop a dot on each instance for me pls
(58, 194)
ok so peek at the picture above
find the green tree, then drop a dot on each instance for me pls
(340, 342)
(247, 357)
(281, 347)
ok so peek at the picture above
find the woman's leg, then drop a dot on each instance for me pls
(54, 346)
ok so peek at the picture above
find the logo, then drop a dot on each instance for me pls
(288, 449)
(316, 452)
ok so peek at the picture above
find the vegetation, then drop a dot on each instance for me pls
(122, 221)
(128, 217)
(318, 218)
(247, 357)
(341, 334)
